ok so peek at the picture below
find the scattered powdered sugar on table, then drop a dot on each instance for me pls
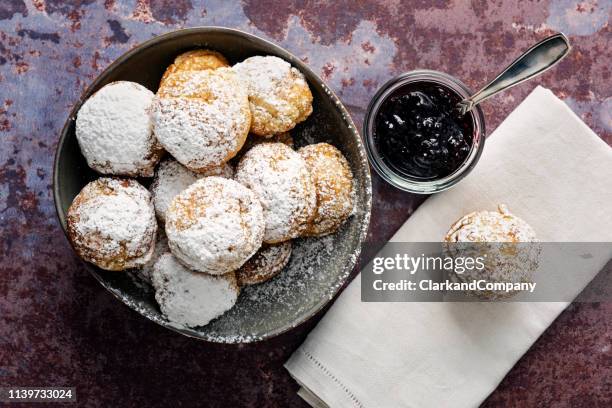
(171, 178)
(203, 119)
(191, 298)
(115, 130)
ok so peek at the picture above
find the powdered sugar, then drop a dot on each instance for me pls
(115, 130)
(195, 60)
(161, 247)
(279, 177)
(491, 226)
(307, 280)
(191, 298)
(202, 117)
(112, 223)
(333, 181)
(265, 264)
(278, 94)
(496, 237)
(314, 274)
(265, 76)
(215, 225)
(171, 178)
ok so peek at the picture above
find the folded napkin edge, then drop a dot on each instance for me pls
(307, 381)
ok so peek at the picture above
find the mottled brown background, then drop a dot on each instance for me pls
(59, 327)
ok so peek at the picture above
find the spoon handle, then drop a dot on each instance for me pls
(531, 63)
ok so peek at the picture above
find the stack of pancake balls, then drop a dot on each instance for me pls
(228, 190)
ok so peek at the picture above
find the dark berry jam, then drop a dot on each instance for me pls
(419, 132)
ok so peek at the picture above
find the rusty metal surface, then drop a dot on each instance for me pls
(59, 327)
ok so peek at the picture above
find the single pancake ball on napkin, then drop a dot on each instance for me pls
(506, 243)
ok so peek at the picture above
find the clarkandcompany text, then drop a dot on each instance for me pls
(431, 285)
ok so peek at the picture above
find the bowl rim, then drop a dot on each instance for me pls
(346, 117)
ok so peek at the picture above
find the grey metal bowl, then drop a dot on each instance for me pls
(318, 266)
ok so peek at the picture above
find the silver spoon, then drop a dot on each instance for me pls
(533, 62)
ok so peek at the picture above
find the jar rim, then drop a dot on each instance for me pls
(410, 184)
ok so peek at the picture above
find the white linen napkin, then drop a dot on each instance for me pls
(551, 170)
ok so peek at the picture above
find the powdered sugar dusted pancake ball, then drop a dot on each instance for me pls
(215, 225)
(333, 181)
(111, 223)
(491, 226)
(191, 298)
(265, 264)
(506, 243)
(278, 94)
(115, 130)
(195, 60)
(171, 177)
(280, 178)
(202, 118)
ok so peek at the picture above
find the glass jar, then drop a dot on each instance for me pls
(402, 181)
